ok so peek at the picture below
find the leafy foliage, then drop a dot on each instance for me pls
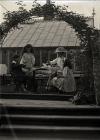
(12, 19)
(78, 22)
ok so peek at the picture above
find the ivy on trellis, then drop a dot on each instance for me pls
(78, 22)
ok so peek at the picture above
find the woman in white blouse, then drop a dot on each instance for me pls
(57, 64)
(59, 61)
(28, 61)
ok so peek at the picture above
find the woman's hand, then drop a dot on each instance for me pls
(48, 63)
(44, 65)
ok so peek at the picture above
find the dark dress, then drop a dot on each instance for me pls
(18, 75)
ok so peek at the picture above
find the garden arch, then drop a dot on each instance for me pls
(86, 34)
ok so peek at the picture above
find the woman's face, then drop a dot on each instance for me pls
(28, 50)
(60, 54)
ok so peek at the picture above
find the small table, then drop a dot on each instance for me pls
(42, 83)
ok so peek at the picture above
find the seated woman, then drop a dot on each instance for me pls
(18, 75)
(65, 82)
(57, 64)
(59, 61)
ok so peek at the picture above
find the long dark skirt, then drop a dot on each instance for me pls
(31, 82)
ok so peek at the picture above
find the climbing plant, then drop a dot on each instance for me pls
(86, 34)
(78, 22)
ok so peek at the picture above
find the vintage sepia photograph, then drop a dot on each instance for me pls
(49, 70)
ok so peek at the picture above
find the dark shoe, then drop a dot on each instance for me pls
(23, 89)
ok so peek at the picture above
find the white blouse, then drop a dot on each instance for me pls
(28, 60)
(59, 61)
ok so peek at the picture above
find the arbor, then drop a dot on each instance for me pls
(86, 34)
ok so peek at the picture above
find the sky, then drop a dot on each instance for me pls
(84, 7)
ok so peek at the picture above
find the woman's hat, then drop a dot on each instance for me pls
(60, 49)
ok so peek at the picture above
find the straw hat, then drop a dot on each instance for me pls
(60, 49)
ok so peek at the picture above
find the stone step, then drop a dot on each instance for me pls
(50, 135)
(51, 120)
(38, 107)
(44, 116)
(36, 96)
(50, 116)
(31, 128)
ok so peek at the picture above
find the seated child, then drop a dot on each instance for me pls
(18, 75)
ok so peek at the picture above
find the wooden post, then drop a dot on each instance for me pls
(66, 54)
(8, 60)
(49, 55)
(40, 57)
(1, 51)
(74, 63)
(0, 55)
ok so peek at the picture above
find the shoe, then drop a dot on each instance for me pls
(25, 90)
(71, 100)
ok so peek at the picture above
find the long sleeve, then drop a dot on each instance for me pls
(33, 60)
(23, 59)
(58, 61)
(53, 62)
(65, 71)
